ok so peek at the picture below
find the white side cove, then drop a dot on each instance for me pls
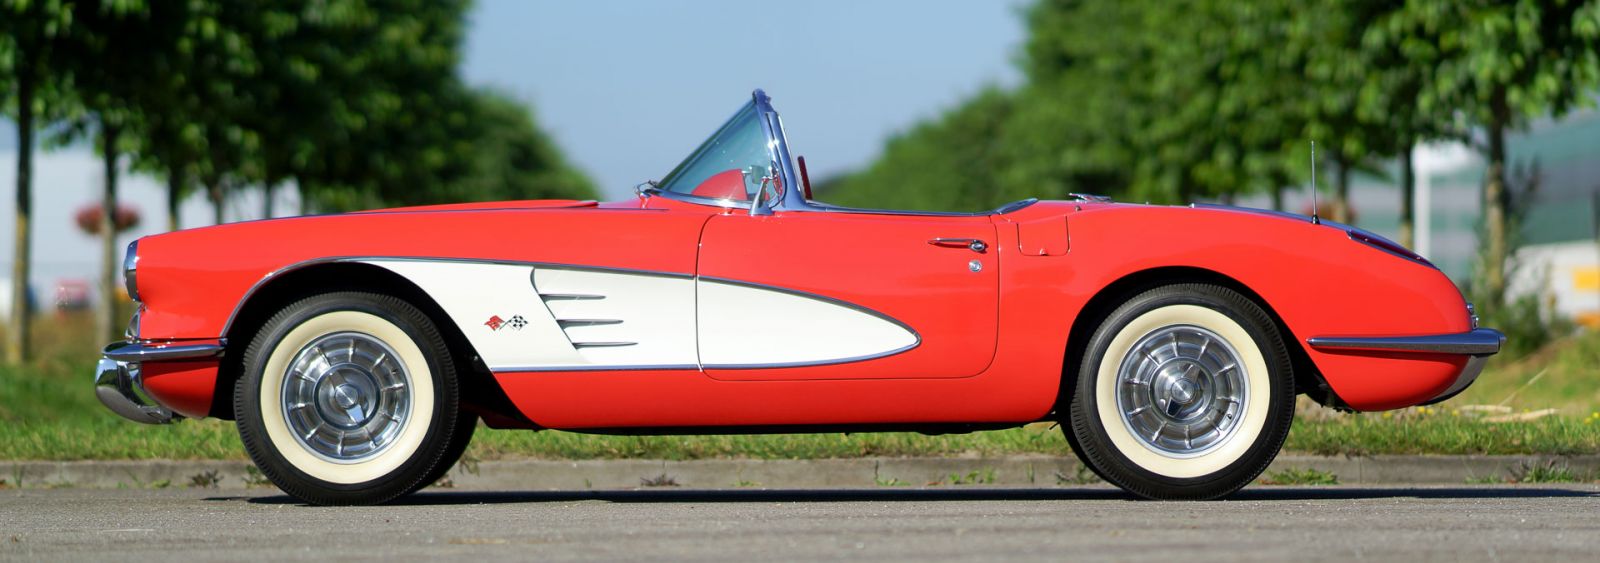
(525, 317)
(754, 326)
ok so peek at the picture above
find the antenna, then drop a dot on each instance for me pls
(1315, 220)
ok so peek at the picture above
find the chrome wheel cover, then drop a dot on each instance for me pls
(346, 396)
(1181, 390)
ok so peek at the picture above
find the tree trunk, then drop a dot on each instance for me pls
(1494, 208)
(175, 182)
(108, 233)
(266, 200)
(1408, 191)
(18, 342)
(1277, 198)
(1341, 187)
(214, 193)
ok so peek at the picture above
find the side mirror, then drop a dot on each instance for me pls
(758, 180)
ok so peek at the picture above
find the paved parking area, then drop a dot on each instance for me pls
(1502, 522)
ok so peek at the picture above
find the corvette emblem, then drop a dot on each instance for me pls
(496, 323)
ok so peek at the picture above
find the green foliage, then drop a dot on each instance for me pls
(356, 101)
(1175, 101)
(488, 148)
(952, 163)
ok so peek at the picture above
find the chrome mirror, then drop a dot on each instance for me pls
(757, 181)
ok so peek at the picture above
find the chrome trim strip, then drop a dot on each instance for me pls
(817, 363)
(631, 367)
(1477, 342)
(564, 323)
(602, 344)
(150, 352)
(652, 191)
(571, 296)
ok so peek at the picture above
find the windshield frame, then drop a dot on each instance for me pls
(777, 154)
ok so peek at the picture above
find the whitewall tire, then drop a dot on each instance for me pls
(1185, 392)
(349, 398)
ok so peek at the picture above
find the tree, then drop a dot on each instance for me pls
(105, 55)
(30, 34)
(952, 163)
(1498, 64)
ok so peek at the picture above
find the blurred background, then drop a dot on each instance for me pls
(1464, 129)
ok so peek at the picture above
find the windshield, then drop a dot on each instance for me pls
(733, 164)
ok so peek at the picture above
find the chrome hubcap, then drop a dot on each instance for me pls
(346, 396)
(1182, 390)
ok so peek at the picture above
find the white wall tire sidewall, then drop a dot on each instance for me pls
(1257, 377)
(384, 463)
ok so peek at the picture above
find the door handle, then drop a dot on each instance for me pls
(972, 244)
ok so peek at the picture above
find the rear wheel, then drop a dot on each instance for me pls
(1185, 392)
(348, 398)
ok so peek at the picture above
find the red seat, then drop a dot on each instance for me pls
(728, 184)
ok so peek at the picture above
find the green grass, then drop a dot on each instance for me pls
(48, 412)
(1564, 376)
(1300, 477)
(1444, 433)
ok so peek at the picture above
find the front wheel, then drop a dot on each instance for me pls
(348, 398)
(1185, 392)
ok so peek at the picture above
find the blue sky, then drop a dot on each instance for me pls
(627, 88)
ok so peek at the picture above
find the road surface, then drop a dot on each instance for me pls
(1464, 523)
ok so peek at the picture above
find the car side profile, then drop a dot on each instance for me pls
(357, 353)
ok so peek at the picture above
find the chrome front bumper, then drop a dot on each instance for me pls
(116, 377)
(1477, 344)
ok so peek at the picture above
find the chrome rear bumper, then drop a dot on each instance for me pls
(1477, 344)
(116, 377)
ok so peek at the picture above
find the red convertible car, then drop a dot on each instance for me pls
(358, 352)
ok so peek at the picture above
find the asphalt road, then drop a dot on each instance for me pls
(1263, 523)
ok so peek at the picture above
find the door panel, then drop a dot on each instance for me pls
(811, 295)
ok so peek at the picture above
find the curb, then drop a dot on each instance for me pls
(1038, 471)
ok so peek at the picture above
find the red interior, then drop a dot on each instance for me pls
(728, 184)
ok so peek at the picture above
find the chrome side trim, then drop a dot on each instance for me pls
(632, 367)
(1477, 342)
(149, 352)
(602, 344)
(564, 323)
(818, 363)
(570, 296)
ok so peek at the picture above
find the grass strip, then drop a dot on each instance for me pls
(1362, 434)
